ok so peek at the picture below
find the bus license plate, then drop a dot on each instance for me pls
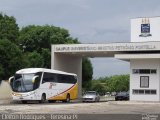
(21, 97)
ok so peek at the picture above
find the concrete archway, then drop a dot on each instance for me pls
(68, 57)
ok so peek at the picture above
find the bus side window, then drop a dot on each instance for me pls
(61, 78)
(48, 77)
(72, 79)
(66, 79)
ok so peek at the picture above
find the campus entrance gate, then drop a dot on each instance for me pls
(142, 55)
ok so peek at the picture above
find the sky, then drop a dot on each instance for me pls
(91, 21)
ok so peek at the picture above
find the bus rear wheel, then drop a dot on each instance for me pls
(51, 101)
(67, 98)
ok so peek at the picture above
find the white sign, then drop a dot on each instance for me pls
(145, 29)
(106, 47)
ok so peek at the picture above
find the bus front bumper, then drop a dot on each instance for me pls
(24, 96)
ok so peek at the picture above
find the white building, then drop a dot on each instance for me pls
(143, 53)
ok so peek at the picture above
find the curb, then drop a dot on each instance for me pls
(133, 103)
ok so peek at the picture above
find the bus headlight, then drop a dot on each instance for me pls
(14, 94)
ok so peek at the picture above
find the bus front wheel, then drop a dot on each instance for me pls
(43, 98)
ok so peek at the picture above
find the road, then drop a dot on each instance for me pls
(84, 111)
(81, 108)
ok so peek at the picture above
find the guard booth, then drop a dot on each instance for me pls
(143, 53)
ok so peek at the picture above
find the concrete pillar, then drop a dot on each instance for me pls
(68, 63)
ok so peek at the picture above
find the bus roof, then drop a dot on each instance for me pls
(35, 70)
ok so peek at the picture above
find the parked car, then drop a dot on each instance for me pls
(113, 93)
(107, 94)
(122, 96)
(91, 96)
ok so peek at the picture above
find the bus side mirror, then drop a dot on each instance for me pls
(34, 79)
(11, 79)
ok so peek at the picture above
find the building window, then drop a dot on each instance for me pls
(135, 71)
(144, 71)
(141, 91)
(153, 71)
(147, 91)
(144, 92)
(153, 92)
(144, 81)
(135, 91)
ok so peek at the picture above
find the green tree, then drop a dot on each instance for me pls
(35, 41)
(39, 39)
(114, 83)
(118, 83)
(8, 28)
(46, 54)
(100, 88)
(87, 72)
(1, 72)
(11, 59)
(34, 59)
(35, 38)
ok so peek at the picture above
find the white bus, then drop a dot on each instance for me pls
(43, 84)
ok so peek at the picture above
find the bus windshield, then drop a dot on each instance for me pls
(23, 82)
